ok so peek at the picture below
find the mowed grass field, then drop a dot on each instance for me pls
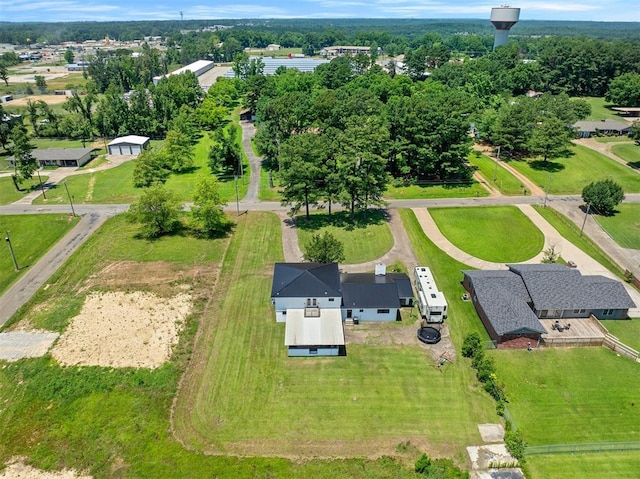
(574, 395)
(624, 226)
(8, 193)
(601, 109)
(31, 237)
(628, 331)
(504, 182)
(367, 239)
(570, 175)
(570, 231)
(243, 395)
(112, 422)
(629, 152)
(500, 234)
(115, 185)
(454, 190)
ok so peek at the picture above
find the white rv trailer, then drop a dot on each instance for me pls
(431, 302)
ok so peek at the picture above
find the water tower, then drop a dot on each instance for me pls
(503, 18)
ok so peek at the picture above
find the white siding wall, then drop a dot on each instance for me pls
(370, 314)
(282, 304)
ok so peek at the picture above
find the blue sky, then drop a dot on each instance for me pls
(97, 10)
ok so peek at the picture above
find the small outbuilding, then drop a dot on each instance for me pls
(128, 145)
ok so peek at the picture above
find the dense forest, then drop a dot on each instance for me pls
(354, 31)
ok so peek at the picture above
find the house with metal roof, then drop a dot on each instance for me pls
(73, 157)
(511, 302)
(314, 300)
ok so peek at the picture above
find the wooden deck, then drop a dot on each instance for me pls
(582, 332)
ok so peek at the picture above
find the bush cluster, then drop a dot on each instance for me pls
(439, 468)
(485, 370)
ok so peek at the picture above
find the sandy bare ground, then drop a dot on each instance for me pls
(123, 329)
(17, 469)
(49, 99)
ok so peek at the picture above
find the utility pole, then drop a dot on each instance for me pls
(73, 213)
(546, 191)
(44, 195)
(586, 214)
(495, 171)
(237, 199)
(13, 255)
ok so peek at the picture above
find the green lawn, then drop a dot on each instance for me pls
(435, 191)
(504, 181)
(447, 273)
(570, 175)
(31, 237)
(366, 240)
(571, 232)
(630, 152)
(624, 226)
(611, 139)
(267, 193)
(8, 193)
(571, 395)
(601, 109)
(627, 331)
(501, 234)
(256, 397)
(621, 465)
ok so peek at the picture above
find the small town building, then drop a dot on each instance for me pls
(128, 145)
(512, 302)
(315, 300)
(73, 157)
(586, 129)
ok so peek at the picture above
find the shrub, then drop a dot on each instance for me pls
(603, 196)
(439, 468)
(472, 345)
(514, 442)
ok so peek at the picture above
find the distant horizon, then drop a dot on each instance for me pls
(62, 11)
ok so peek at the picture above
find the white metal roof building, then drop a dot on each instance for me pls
(197, 68)
(314, 335)
(128, 145)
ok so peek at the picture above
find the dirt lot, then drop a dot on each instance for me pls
(49, 99)
(17, 469)
(123, 329)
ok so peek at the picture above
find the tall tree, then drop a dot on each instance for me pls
(625, 90)
(150, 168)
(550, 138)
(33, 114)
(207, 214)
(301, 172)
(157, 210)
(603, 196)
(24, 163)
(4, 74)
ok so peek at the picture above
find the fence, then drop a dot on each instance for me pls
(585, 448)
(613, 343)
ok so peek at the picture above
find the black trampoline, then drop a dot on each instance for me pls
(429, 335)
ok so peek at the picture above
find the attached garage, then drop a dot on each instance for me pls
(131, 145)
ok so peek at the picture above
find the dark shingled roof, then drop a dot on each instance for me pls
(555, 286)
(504, 299)
(370, 295)
(401, 280)
(302, 280)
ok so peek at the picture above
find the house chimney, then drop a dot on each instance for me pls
(381, 269)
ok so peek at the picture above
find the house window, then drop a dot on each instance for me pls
(362, 310)
(607, 312)
(383, 311)
(284, 313)
(331, 300)
(579, 311)
(313, 350)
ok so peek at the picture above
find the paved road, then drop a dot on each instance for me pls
(23, 289)
(255, 163)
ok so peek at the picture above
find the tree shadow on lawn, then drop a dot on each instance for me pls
(340, 219)
(548, 166)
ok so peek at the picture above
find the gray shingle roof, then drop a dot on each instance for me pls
(302, 280)
(401, 280)
(504, 299)
(370, 295)
(555, 286)
(55, 154)
(602, 125)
